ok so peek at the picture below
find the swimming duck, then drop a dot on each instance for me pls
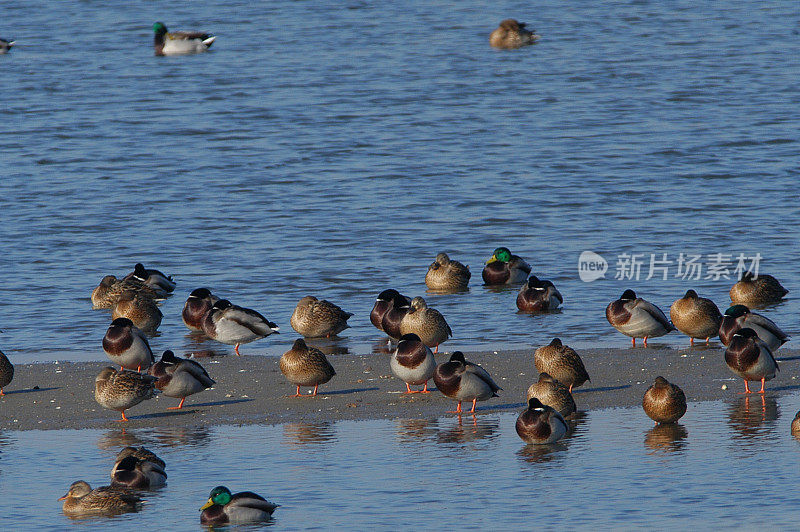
(562, 363)
(131, 472)
(152, 278)
(750, 358)
(120, 390)
(540, 424)
(505, 268)
(314, 318)
(637, 318)
(739, 316)
(427, 323)
(126, 345)
(796, 424)
(5, 46)
(140, 309)
(664, 402)
(445, 274)
(141, 454)
(758, 291)
(696, 317)
(512, 34)
(180, 377)
(196, 307)
(110, 289)
(538, 295)
(234, 325)
(81, 499)
(464, 381)
(6, 372)
(245, 507)
(180, 42)
(394, 315)
(413, 362)
(552, 393)
(384, 302)
(306, 366)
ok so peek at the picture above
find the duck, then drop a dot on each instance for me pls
(427, 323)
(81, 500)
(540, 424)
(464, 381)
(445, 274)
(757, 291)
(750, 358)
(394, 315)
(132, 472)
(126, 345)
(413, 362)
(108, 292)
(197, 305)
(562, 363)
(552, 393)
(152, 278)
(512, 34)
(180, 42)
(306, 366)
(664, 402)
(6, 372)
(141, 454)
(383, 303)
(739, 316)
(234, 325)
(538, 295)
(315, 318)
(120, 390)
(696, 317)
(505, 268)
(140, 309)
(180, 377)
(637, 318)
(5, 45)
(246, 507)
(796, 424)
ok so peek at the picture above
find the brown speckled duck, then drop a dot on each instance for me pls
(750, 358)
(427, 323)
(180, 377)
(6, 372)
(120, 390)
(82, 500)
(796, 424)
(315, 318)
(540, 424)
(562, 363)
(447, 275)
(696, 317)
(306, 366)
(110, 289)
(738, 317)
(664, 402)
(538, 295)
(464, 381)
(637, 318)
(413, 362)
(505, 268)
(755, 292)
(512, 34)
(140, 309)
(196, 307)
(552, 393)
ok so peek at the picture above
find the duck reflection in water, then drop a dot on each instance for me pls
(469, 430)
(537, 454)
(415, 430)
(303, 433)
(329, 346)
(666, 438)
(193, 437)
(748, 415)
(116, 439)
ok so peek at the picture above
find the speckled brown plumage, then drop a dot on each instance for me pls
(696, 317)
(664, 402)
(140, 309)
(306, 366)
(120, 390)
(427, 323)
(110, 289)
(758, 292)
(512, 34)
(562, 363)
(445, 274)
(316, 318)
(81, 499)
(552, 393)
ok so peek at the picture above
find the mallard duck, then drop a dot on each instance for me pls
(464, 381)
(126, 345)
(81, 499)
(538, 295)
(120, 390)
(427, 323)
(413, 362)
(245, 507)
(540, 424)
(696, 317)
(196, 307)
(5, 46)
(394, 315)
(446, 275)
(133, 472)
(110, 289)
(152, 278)
(306, 366)
(796, 424)
(505, 268)
(314, 318)
(637, 318)
(6, 372)
(234, 325)
(142, 454)
(562, 363)
(760, 291)
(739, 316)
(664, 402)
(383, 303)
(140, 309)
(179, 377)
(180, 42)
(750, 358)
(552, 393)
(512, 34)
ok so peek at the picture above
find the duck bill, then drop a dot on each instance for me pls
(208, 504)
(64, 498)
(493, 259)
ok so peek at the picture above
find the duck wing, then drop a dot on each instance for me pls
(250, 319)
(656, 313)
(483, 374)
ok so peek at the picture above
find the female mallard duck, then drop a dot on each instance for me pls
(131, 472)
(427, 323)
(538, 295)
(758, 291)
(110, 289)
(796, 424)
(120, 390)
(5, 46)
(306, 366)
(81, 500)
(314, 318)
(505, 268)
(140, 309)
(234, 325)
(664, 402)
(562, 363)
(464, 381)
(383, 303)
(196, 307)
(152, 278)
(412, 362)
(512, 34)
(696, 317)
(738, 316)
(552, 393)
(447, 275)
(126, 345)
(540, 424)
(180, 377)
(180, 42)
(750, 358)
(637, 318)
(246, 507)
(394, 315)
(6, 372)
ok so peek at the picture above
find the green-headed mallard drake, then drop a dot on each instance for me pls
(637, 318)
(223, 508)
(739, 316)
(306, 366)
(383, 303)
(754, 292)
(234, 325)
(152, 278)
(110, 289)
(427, 323)
(750, 358)
(696, 317)
(315, 318)
(393, 317)
(413, 362)
(552, 393)
(445, 274)
(179, 377)
(196, 307)
(464, 381)
(126, 345)
(540, 424)
(562, 363)
(136, 473)
(664, 402)
(180, 42)
(120, 390)
(5, 46)
(82, 500)
(512, 34)
(538, 295)
(140, 309)
(505, 268)
(6, 372)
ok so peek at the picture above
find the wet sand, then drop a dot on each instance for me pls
(251, 389)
